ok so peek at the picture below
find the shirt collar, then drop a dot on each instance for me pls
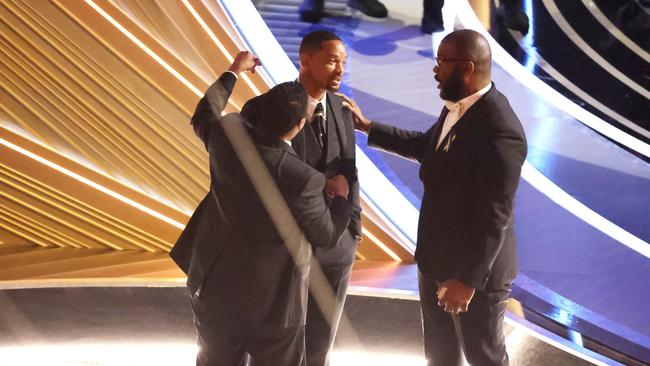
(464, 104)
(311, 105)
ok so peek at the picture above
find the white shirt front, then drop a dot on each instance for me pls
(311, 106)
(457, 110)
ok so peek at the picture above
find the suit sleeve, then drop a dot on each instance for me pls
(499, 162)
(322, 225)
(349, 169)
(211, 105)
(407, 144)
(355, 219)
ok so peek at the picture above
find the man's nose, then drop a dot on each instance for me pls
(435, 69)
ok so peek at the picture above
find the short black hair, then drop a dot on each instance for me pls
(278, 111)
(312, 41)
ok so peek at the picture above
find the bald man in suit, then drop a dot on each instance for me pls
(471, 161)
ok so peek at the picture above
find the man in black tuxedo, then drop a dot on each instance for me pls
(327, 143)
(471, 162)
(510, 13)
(313, 11)
(246, 247)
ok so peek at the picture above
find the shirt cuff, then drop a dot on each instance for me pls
(236, 76)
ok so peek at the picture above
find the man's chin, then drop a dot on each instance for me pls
(334, 87)
(451, 98)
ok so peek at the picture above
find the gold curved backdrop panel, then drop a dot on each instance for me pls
(99, 167)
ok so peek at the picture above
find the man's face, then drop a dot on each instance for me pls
(325, 67)
(449, 73)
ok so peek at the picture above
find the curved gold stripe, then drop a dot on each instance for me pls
(147, 169)
(102, 82)
(50, 163)
(19, 231)
(40, 229)
(61, 222)
(85, 213)
(219, 45)
(64, 131)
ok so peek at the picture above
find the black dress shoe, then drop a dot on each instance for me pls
(431, 27)
(513, 17)
(311, 11)
(372, 8)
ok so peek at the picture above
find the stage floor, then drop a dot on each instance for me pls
(574, 263)
(138, 325)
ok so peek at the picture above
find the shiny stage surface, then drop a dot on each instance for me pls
(583, 245)
(582, 207)
(122, 324)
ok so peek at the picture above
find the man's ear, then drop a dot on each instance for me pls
(304, 61)
(469, 67)
(297, 127)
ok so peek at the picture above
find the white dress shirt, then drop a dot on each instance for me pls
(311, 106)
(457, 110)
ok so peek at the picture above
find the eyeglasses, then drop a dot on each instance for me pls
(440, 61)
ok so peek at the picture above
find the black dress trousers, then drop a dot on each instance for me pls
(478, 333)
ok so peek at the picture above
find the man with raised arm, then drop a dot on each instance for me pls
(246, 247)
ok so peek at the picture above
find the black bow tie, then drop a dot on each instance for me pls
(318, 124)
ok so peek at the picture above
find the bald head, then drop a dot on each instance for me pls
(471, 45)
(463, 64)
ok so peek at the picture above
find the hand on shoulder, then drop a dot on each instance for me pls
(361, 123)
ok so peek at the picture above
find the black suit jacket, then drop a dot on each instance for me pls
(340, 158)
(465, 229)
(231, 250)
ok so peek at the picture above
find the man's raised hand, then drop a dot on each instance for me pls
(244, 61)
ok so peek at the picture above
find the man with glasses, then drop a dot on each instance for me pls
(471, 162)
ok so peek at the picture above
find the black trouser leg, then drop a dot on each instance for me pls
(482, 329)
(441, 345)
(432, 11)
(478, 333)
(216, 348)
(223, 344)
(320, 332)
(287, 347)
(519, 4)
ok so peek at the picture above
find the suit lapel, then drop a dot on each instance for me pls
(334, 103)
(465, 123)
(437, 128)
(307, 147)
(299, 143)
(432, 165)
(435, 164)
